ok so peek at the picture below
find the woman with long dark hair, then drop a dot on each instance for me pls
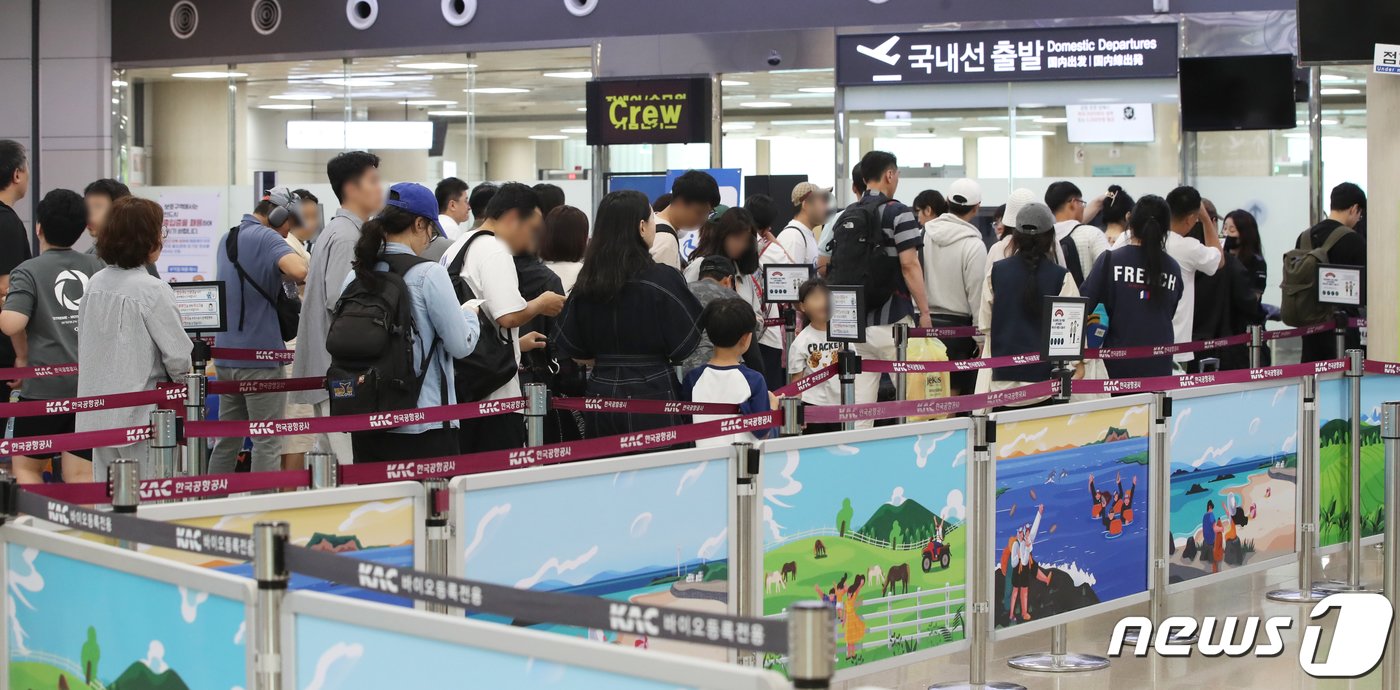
(1139, 285)
(734, 235)
(1242, 239)
(628, 317)
(443, 329)
(1116, 206)
(1013, 296)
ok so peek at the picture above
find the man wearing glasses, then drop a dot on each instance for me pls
(1080, 244)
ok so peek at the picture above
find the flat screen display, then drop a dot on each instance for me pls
(1345, 30)
(1237, 93)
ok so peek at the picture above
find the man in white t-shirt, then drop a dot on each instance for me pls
(810, 205)
(694, 196)
(488, 268)
(1066, 201)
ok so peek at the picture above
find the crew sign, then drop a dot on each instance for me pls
(650, 111)
(1136, 51)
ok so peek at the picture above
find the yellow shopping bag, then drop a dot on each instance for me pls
(927, 386)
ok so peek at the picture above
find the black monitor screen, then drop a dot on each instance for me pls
(1345, 30)
(1237, 93)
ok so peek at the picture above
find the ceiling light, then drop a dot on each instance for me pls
(1034, 133)
(496, 90)
(547, 137)
(428, 102)
(357, 81)
(981, 129)
(916, 135)
(765, 104)
(437, 65)
(285, 106)
(574, 130)
(301, 97)
(737, 125)
(732, 82)
(449, 113)
(581, 110)
(209, 75)
(340, 135)
(891, 123)
(821, 131)
(1051, 120)
(1334, 78)
(1340, 92)
(117, 83)
(1296, 135)
(579, 74)
(827, 121)
(818, 89)
(1329, 123)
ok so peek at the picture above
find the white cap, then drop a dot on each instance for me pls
(1019, 199)
(965, 192)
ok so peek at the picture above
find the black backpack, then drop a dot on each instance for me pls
(1070, 251)
(371, 344)
(287, 306)
(492, 364)
(860, 255)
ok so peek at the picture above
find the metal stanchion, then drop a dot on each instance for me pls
(1355, 370)
(748, 571)
(196, 447)
(125, 476)
(901, 354)
(847, 366)
(981, 526)
(435, 554)
(1306, 593)
(811, 644)
(1058, 659)
(1339, 331)
(792, 416)
(536, 407)
(1256, 346)
(163, 442)
(1390, 437)
(325, 472)
(1065, 375)
(270, 571)
(789, 315)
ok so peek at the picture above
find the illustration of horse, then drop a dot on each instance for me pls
(790, 569)
(875, 576)
(775, 582)
(896, 574)
(819, 550)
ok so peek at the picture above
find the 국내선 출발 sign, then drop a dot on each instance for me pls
(649, 111)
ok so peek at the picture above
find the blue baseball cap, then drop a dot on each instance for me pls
(416, 199)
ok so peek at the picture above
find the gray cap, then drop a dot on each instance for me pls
(284, 198)
(1034, 218)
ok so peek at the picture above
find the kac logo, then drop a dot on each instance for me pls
(1359, 636)
(628, 618)
(58, 514)
(399, 470)
(189, 539)
(379, 578)
(58, 407)
(161, 488)
(379, 421)
(262, 429)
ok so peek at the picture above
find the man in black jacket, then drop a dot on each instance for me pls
(1347, 209)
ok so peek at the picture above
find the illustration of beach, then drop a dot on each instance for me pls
(1072, 512)
(874, 529)
(1234, 469)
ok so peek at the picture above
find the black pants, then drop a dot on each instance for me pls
(1320, 347)
(773, 371)
(385, 446)
(501, 432)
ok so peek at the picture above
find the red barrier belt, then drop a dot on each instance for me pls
(82, 440)
(641, 406)
(357, 422)
(769, 323)
(1299, 332)
(1163, 350)
(250, 355)
(1217, 378)
(884, 366)
(308, 383)
(179, 487)
(807, 382)
(94, 493)
(827, 414)
(1372, 366)
(1356, 323)
(18, 373)
(945, 332)
(477, 463)
(39, 408)
(442, 501)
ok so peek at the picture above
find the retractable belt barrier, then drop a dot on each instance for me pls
(308, 383)
(39, 408)
(826, 414)
(81, 440)
(807, 382)
(250, 355)
(1300, 332)
(18, 373)
(641, 406)
(945, 332)
(177, 488)
(1214, 378)
(355, 422)
(120, 526)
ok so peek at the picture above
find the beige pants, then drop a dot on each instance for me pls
(879, 344)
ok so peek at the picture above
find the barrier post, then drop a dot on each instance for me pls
(270, 571)
(435, 553)
(811, 644)
(325, 473)
(125, 478)
(747, 570)
(792, 416)
(1256, 346)
(901, 354)
(196, 448)
(981, 528)
(1390, 437)
(789, 315)
(536, 407)
(1355, 370)
(163, 439)
(1306, 592)
(1339, 331)
(847, 366)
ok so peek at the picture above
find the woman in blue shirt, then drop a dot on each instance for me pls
(406, 226)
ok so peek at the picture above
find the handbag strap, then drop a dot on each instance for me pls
(231, 246)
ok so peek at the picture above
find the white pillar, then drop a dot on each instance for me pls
(1383, 209)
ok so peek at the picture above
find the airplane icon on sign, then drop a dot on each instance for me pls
(881, 52)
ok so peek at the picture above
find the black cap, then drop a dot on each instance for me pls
(718, 265)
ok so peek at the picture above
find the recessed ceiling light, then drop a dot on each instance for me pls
(579, 74)
(818, 89)
(891, 123)
(117, 83)
(732, 82)
(301, 97)
(737, 125)
(284, 106)
(357, 81)
(582, 110)
(1100, 99)
(428, 102)
(1329, 123)
(765, 104)
(826, 121)
(210, 74)
(916, 135)
(1051, 120)
(574, 130)
(980, 129)
(437, 65)
(1340, 92)
(1034, 133)
(449, 113)
(821, 131)
(496, 90)
(547, 137)
(1333, 78)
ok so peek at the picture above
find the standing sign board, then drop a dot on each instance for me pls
(847, 323)
(1063, 326)
(1339, 285)
(649, 111)
(201, 306)
(783, 282)
(1136, 51)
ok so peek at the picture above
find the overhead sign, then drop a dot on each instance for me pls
(1387, 58)
(1339, 285)
(650, 111)
(1110, 123)
(1136, 51)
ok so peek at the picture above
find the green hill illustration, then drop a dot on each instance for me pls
(139, 676)
(334, 543)
(914, 522)
(1338, 432)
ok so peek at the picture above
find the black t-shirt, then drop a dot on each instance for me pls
(1350, 250)
(14, 250)
(1118, 281)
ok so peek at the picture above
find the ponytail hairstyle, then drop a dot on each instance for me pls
(1150, 222)
(390, 221)
(1033, 250)
(1116, 205)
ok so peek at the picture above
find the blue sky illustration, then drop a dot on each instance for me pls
(54, 600)
(1333, 397)
(1216, 430)
(803, 490)
(339, 656)
(572, 530)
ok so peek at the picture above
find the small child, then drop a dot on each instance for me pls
(811, 351)
(730, 324)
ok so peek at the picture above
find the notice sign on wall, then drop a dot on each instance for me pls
(1136, 51)
(193, 225)
(1109, 123)
(1387, 58)
(650, 111)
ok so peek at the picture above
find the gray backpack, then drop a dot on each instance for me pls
(1301, 305)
